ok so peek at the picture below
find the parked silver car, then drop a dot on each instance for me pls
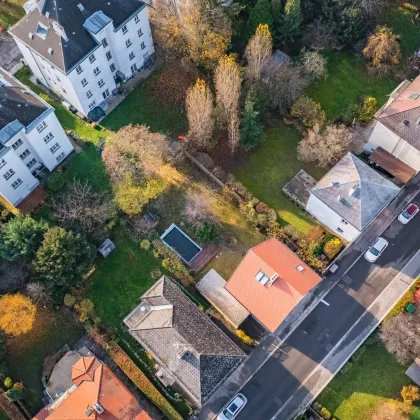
(376, 250)
(232, 408)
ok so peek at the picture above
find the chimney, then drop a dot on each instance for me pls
(98, 408)
(59, 30)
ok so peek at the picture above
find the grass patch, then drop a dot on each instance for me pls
(141, 107)
(270, 167)
(11, 11)
(3, 415)
(347, 83)
(25, 354)
(373, 378)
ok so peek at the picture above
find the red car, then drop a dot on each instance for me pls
(408, 213)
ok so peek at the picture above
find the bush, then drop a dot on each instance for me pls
(410, 393)
(315, 249)
(155, 274)
(308, 112)
(245, 338)
(69, 300)
(332, 248)
(85, 310)
(14, 394)
(325, 414)
(56, 182)
(367, 109)
(145, 244)
(207, 232)
(8, 382)
(19, 386)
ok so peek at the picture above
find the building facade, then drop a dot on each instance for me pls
(31, 138)
(82, 49)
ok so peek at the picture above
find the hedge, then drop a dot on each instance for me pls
(139, 379)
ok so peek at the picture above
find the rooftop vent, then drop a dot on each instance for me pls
(31, 35)
(98, 408)
(50, 51)
(88, 412)
(262, 278)
(274, 277)
(336, 184)
(81, 7)
(406, 123)
(300, 268)
(342, 200)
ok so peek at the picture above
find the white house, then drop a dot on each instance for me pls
(349, 197)
(31, 138)
(81, 49)
(397, 124)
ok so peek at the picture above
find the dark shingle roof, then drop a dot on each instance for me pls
(17, 103)
(79, 43)
(191, 347)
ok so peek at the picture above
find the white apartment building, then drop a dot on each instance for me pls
(31, 138)
(82, 49)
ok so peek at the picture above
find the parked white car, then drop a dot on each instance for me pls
(376, 250)
(408, 213)
(232, 408)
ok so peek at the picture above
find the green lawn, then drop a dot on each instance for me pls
(270, 167)
(3, 415)
(11, 11)
(25, 354)
(141, 108)
(373, 378)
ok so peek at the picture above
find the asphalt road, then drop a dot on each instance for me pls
(277, 380)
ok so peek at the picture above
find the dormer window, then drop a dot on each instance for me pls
(42, 30)
(262, 278)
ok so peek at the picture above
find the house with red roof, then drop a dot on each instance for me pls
(82, 387)
(396, 127)
(270, 281)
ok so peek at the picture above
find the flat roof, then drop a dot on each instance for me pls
(181, 243)
(393, 165)
(212, 287)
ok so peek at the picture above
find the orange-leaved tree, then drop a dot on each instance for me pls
(17, 314)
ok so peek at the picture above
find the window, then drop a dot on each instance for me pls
(79, 69)
(41, 127)
(89, 94)
(133, 68)
(60, 157)
(48, 137)
(54, 148)
(112, 67)
(104, 43)
(108, 55)
(131, 56)
(145, 56)
(25, 154)
(64, 90)
(84, 82)
(96, 71)
(92, 58)
(8, 174)
(2, 163)
(101, 83)
(31, 163)
(16, 183)
(92, 104)
(340, 230)
(143, 45)
(58, 78)
(136, 18)
(124, 29)
(140, 33)
(17, 144)
(105, 94)
(128, 43)
(344, 222)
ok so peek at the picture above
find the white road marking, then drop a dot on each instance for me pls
(325, 303)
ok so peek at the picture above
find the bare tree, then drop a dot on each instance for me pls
(382, 50)
(401, 337)
(117, 166)
(80, 206)
(227, 81)
(37, 292)
(199, 112)
(197, 209)
(314, 64)
(373, 8)
(258, 52)
(234, 130)
(328, 146)
(320, 35)
(284, 83)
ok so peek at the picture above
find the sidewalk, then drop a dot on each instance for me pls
(273, 341)
(354, 338)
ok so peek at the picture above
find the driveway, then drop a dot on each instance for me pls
(274, 391)
(9, 52)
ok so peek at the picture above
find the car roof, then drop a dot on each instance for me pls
(380, 242)
(411, 208)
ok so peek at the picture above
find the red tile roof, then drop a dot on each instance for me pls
(94, 382)
(271, 304)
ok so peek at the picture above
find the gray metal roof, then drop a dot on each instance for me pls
(355, 191)
(77, 43)
(184, 340)
(18, 106)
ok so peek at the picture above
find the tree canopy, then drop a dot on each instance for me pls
(17, 314)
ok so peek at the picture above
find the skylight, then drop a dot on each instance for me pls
(414, 95)
(262, 278)
(42, 31)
